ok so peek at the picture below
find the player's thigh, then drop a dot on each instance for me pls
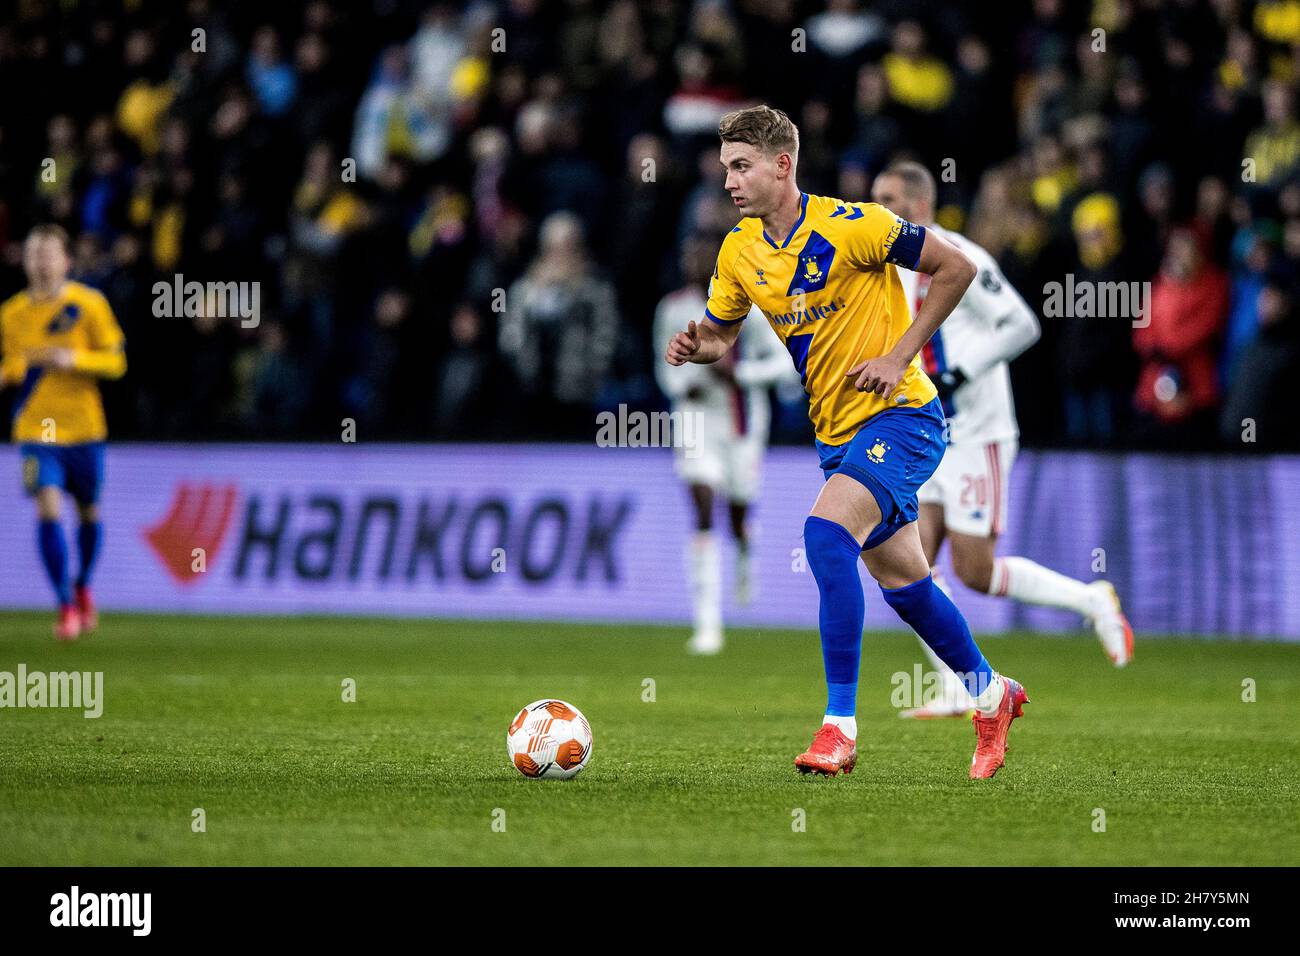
(972, 559)
(849, 504)
(975, 488)
(899, 560)
(703, 462)
(44, 477)
(49, 500)
(744, 468)
(85, 473)
(931, 527)
(702, 504)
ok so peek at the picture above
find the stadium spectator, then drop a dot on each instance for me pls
(1093, 343)
(559, 331)
(1259, 411)
(469, 387)
(229, 157)
(1177, 382)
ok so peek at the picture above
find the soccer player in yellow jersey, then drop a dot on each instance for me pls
(823, 272)
(57, 338)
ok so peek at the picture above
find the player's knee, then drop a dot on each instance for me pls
(895, 578)
(702, 501)
(738, 521)
(88, 513)
(47, 504)
(831, 550)
(973, 568)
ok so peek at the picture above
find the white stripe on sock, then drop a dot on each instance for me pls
(1023, 580)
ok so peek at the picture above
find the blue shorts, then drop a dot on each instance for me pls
(77, 469)
(893, 454)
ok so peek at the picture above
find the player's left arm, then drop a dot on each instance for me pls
(766, 362)
(1011, 326)
(951, 273)
(13, 363)
(713, 336)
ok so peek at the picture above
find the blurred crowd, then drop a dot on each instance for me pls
(463, 216)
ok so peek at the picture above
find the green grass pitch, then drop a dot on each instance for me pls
(244, 718)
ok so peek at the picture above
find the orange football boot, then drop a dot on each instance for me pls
(829, 753)
(86, 608)
(991, 732)
(68, 627)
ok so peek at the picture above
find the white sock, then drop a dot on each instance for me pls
(704, 561)
(742, 554)
(745, 569)
(848, 725)
(951, 688)
(988, 701)
(1022, 580)
(941, 582)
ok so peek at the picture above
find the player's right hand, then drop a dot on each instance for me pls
(683, 345)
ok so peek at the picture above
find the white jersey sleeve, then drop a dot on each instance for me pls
(734, 412)
(1010, 325)
(991, 325)
(674, 311)
(764, 361)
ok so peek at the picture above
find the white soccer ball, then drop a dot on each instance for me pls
(549, 738)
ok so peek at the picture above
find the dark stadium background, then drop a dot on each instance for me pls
(377, 296)
(344, 547)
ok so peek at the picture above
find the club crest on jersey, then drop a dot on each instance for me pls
(761, 279)
(876, 453)
(815, 260)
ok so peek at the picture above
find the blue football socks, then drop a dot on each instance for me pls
(54, 553)
(89, 536)
(930, 612)
(833, 556)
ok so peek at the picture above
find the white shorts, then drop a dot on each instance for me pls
(970, 485)
(731, 466)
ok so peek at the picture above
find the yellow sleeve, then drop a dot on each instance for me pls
(106, 358)
(13, 366)
(728, 301)
(879, 236)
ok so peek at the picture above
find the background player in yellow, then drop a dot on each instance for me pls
(57, 338)
(824, 273)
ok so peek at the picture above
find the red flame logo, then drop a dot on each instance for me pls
(198, 518)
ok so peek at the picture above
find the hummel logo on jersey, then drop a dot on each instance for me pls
(761, 280)
(877, 451)
(853, 213)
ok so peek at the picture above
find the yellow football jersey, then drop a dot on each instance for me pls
(77, 318)
(832, 294)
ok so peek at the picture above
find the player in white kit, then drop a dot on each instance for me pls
(728, 402)
(965, 501)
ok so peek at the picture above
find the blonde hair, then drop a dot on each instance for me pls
(766, 129)
(51, 230)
